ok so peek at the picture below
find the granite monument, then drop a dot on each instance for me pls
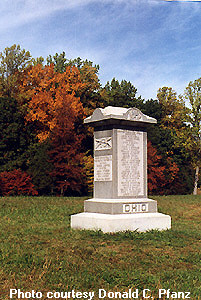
(120, 200)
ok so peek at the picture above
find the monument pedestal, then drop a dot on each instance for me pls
(115, 223)
(113, 215)
(120, 200)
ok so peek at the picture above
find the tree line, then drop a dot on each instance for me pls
(46, 150)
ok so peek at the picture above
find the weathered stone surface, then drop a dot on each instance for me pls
(115, 115)
(120, 206)
(103, 168)
(104, 143)
(130, 163)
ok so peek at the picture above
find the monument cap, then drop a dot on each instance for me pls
(116, 115)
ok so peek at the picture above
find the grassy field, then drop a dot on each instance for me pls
(39, 251)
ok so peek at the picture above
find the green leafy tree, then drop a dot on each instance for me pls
(39, 167)
(173, 109)
(13, 60)
(164, 137)
(39, 60)
(15, 136)
(192, 138)
(122, 94)
(59, 61)
(90, 93)
(152, 108)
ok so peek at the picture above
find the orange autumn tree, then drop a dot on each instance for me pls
(162, 172)
(16, 182)
(52, 104)
(42, 91)
(156, 177)
(66, 154)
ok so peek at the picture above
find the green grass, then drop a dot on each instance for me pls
(39, 251)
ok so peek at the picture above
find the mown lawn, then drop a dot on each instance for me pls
(39, 251)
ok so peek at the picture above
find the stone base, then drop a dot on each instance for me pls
(122, 222)
(120, 206)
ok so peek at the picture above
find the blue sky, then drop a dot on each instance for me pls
(152, 43)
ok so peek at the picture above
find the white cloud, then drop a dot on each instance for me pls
(19, 12)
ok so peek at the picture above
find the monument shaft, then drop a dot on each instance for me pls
(120, 163)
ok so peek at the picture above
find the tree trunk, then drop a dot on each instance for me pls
(62, 191)
(195, 191)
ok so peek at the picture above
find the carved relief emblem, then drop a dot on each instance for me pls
(134, 114)
(103, 143)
